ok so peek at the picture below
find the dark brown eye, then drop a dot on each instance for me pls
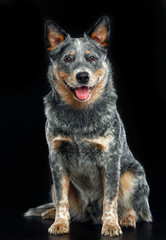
(92, 58)
(68, 59)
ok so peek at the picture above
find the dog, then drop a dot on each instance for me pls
(95, 175)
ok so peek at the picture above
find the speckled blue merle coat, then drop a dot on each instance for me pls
(95, 176)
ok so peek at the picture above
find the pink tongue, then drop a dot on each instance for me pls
(82, 93)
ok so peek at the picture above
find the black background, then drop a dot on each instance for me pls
(138, 54)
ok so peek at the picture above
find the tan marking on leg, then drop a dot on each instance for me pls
(110, 217)
(128, 215)
(61, 223)
(125, 190)
(126, 181)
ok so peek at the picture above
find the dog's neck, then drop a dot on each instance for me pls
(66, 120)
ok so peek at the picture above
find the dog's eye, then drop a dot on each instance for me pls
(92, 58)
(68, 59)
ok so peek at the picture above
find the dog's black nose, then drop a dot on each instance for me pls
(82, 77)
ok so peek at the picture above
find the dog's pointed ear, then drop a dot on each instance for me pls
(100, 33)
(54, 35)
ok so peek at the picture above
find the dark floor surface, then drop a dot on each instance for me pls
(15, 227)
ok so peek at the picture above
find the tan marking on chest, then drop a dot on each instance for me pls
(101, 142)
(57, 141)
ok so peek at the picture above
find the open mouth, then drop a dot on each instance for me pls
(82, 93)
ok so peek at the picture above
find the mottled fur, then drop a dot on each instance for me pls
(95, 176)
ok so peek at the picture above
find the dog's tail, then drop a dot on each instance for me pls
(141, 204)
(145, 212)
(38, 210)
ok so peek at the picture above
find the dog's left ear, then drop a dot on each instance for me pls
(100, 33)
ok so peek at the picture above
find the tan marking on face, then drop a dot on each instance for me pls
(100, 72)
(60, 76)
(87, 52)
(63, 75)
(69, 98)
(96, 79)
(72, 52)
(102, 142)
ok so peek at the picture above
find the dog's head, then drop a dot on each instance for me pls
(78, 65)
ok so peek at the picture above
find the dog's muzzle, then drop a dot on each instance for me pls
(82, 93)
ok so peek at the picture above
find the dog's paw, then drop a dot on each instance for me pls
(59, 228)
(111, 230)
(49, 214)
(128, 221)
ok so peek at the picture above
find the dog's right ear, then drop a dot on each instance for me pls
(54, 35)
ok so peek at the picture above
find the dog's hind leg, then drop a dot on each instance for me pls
(127, 214)
(133, 199)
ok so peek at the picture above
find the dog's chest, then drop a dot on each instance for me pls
(84, 168)
(82, 158)
(83, 153)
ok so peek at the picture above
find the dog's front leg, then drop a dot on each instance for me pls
(62, 217)
(110, 225)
